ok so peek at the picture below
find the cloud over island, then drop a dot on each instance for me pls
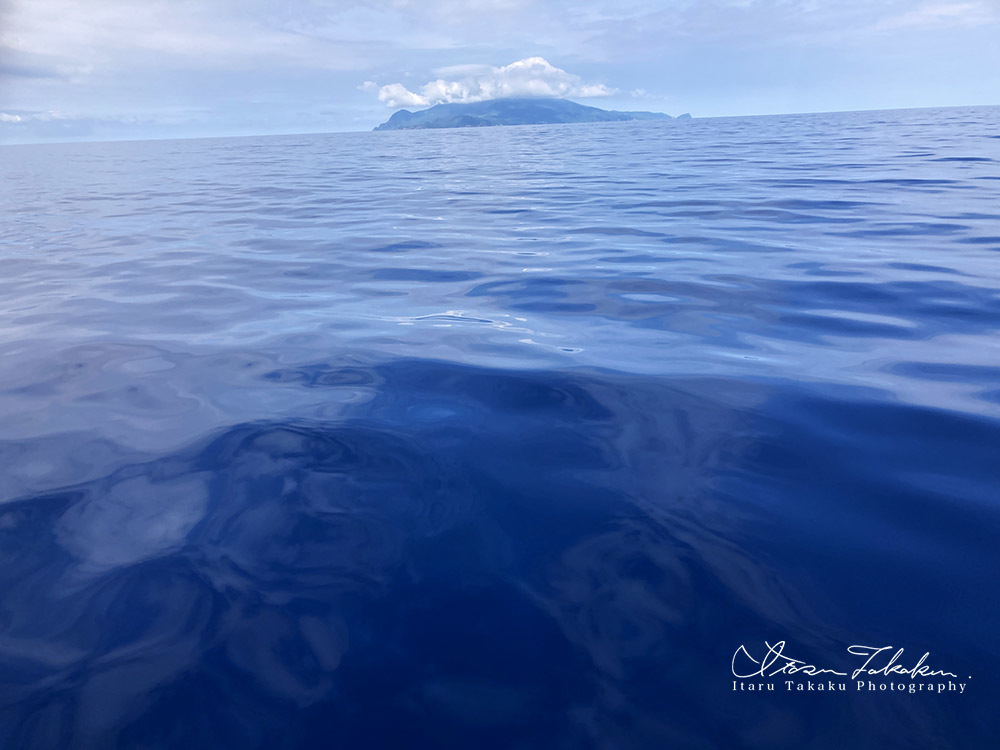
(532, 76)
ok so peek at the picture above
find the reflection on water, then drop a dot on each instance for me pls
(500, 558)
(500, 438)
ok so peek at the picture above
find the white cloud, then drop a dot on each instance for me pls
(396, 95)
(34, 116)
(532, 76)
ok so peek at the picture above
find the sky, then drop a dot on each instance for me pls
(134, 69)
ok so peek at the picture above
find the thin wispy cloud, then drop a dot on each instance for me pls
(937, 15)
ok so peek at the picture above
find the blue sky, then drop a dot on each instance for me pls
(111, 69)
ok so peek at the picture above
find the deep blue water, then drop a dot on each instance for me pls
(500, 438)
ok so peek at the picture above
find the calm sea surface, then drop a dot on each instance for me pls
(501, 438)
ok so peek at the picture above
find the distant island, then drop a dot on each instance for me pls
(510, 112)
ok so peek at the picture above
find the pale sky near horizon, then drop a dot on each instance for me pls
(124, 69)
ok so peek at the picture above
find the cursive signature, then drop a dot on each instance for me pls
(774, 661)
(891, 667)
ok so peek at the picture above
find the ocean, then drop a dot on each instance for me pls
(507, 437)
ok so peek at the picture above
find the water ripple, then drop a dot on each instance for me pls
(500, 437)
